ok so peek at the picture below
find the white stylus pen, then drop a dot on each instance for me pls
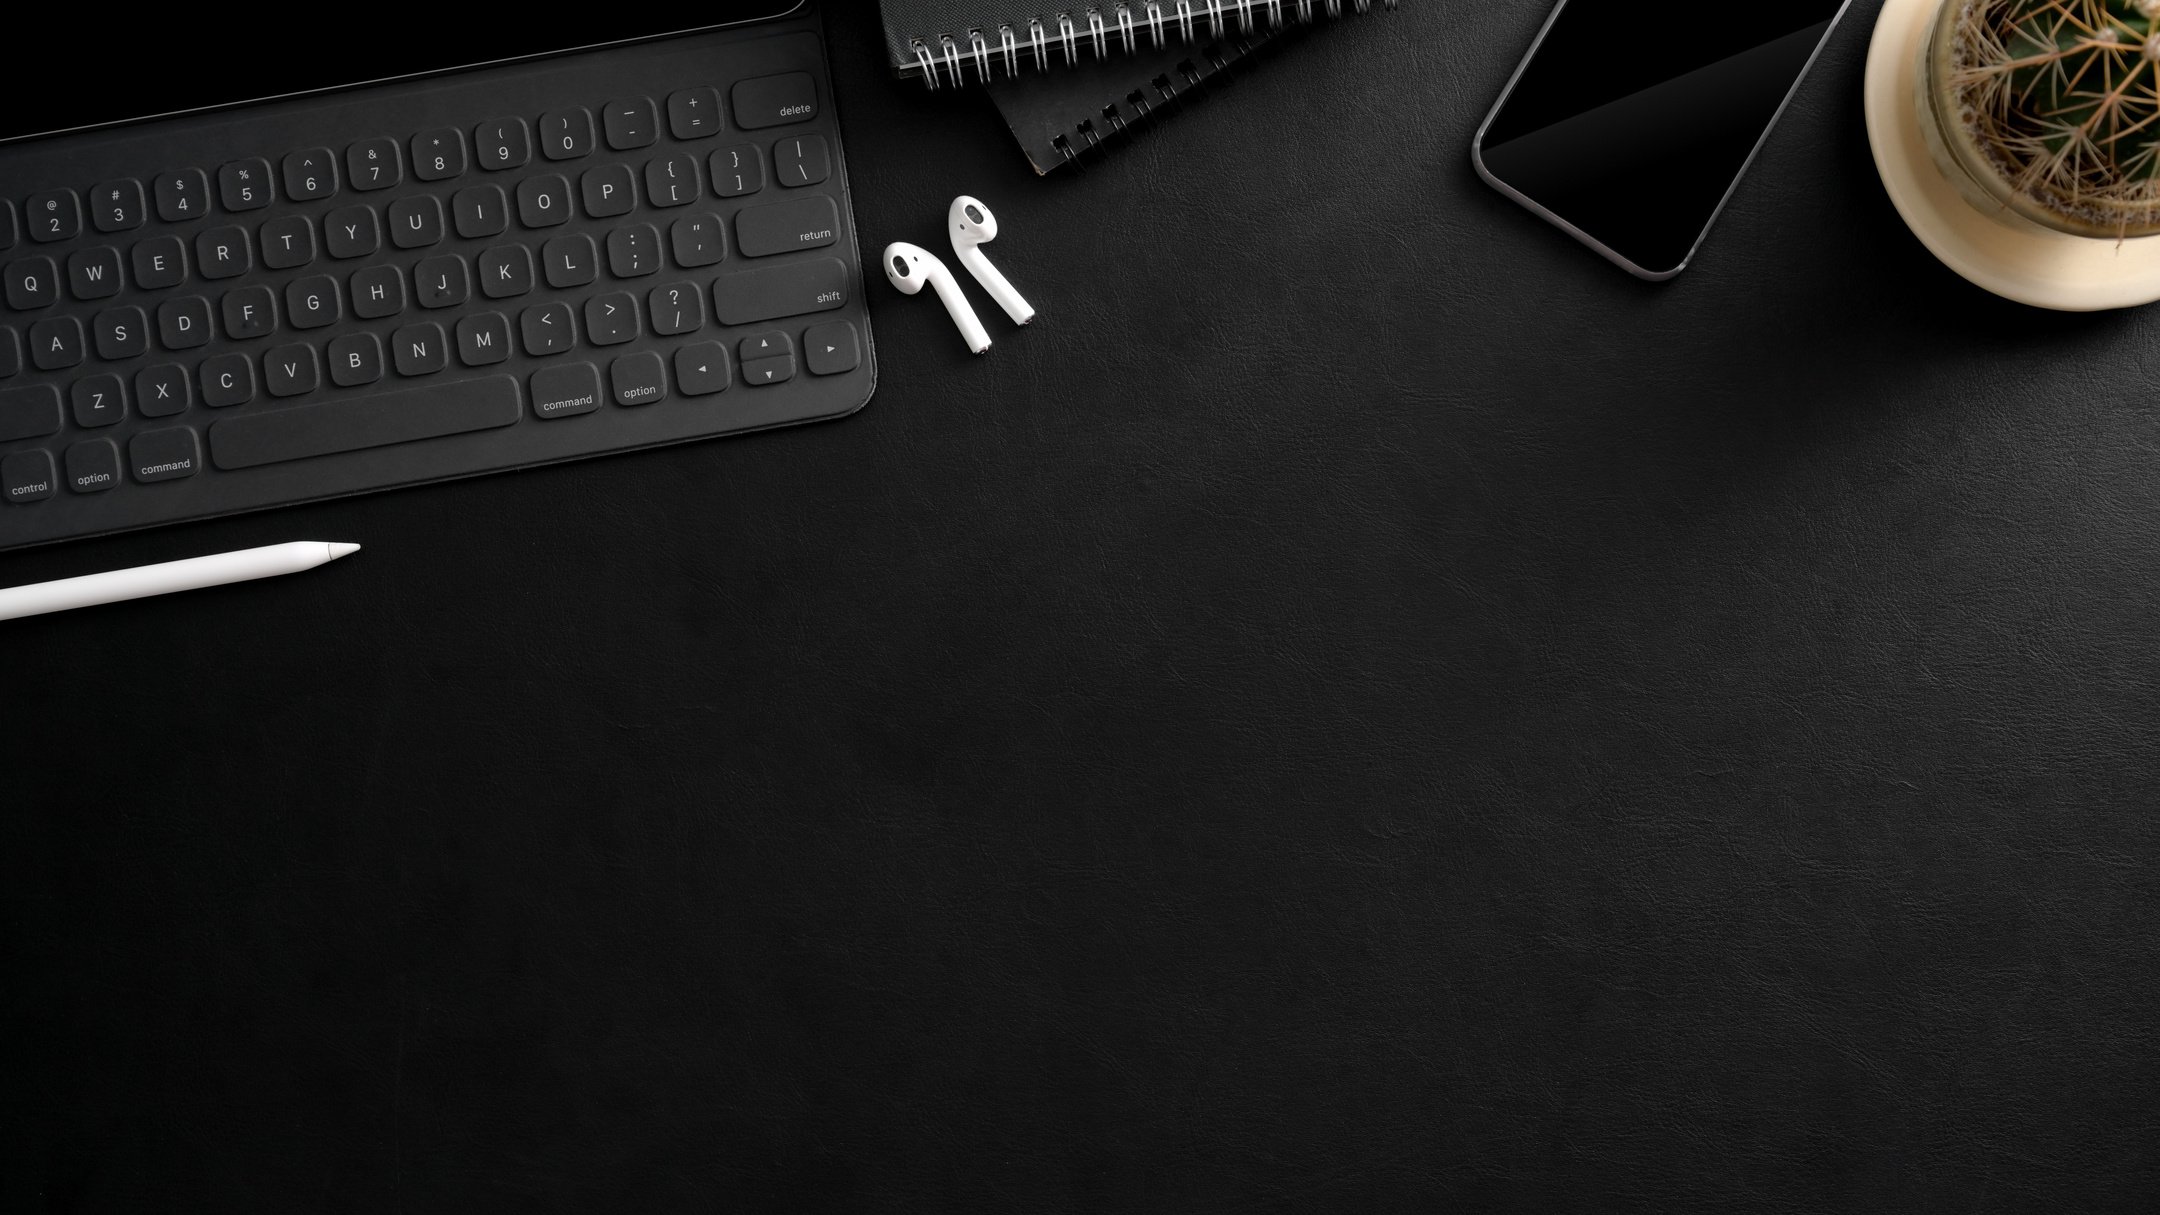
(191, 574)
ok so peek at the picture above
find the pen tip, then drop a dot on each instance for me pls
(338, 550)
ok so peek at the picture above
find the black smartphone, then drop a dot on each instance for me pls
(1630, 133)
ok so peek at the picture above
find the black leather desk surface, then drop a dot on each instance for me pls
(1362, 707)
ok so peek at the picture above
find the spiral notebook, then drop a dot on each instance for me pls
(955, 43)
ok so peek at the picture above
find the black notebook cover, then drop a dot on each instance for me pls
(1062, 118)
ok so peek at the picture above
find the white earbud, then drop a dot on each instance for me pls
(973, 227)
(908, 267)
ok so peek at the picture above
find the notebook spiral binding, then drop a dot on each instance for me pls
(1188, 19)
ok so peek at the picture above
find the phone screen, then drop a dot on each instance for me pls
(1630, 123)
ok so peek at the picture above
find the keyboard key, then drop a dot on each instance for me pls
(288, 242)
(117, 206)
(442, 282)
(750, 296)
(737, 170)
(505, 143)
(160, 262)
(543, 202)
(310, 175)
(7, 225)
(831, 349)
(164, 455)
(420, 349)
(184, 324)
(771, 101)
(701, 369)
(94, 274)
(98, 401)
(182, 195)
(506, 271)
(610, 320)
(10, 353)
(484, 339)
(377, 292)
(313, 302)
(609, 191)
(372, 164)
(29, 413)
(570, 261)
(633, 252)
(53, 215)
(355, 359)
(694, 113)
(638, 379)
(56, 342)
(630, 124)
(222, 252)
(676, 308)
(566, 134)
(416, 223)
(93, 466)
(27, 476)
(480, 211)
(809, 222)
(33, 282)
(801, 160)
(547, 329)
(290, 371)
(351, 232)
(249, 312)
(698, 240)
(761, 372)
(355, 423)
(438, 155)
(671, 181)
(121, 333)
(565, 391)
(227, 380)
(765, 345)
(161, 391)
(244, 185)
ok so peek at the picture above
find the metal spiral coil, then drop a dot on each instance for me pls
(1126, 18)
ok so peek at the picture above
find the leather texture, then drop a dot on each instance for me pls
(1362, 706)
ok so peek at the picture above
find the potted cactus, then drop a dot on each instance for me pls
(2049, 110)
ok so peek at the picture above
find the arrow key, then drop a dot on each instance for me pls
(701, 369)
(776, 370)
(831, 349)
(765, 346)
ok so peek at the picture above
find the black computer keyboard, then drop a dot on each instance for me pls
(425, 279)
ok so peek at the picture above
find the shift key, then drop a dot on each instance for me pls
(749, 296)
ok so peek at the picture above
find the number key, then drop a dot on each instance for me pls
(566, 134)
(310, 175)
(438, 155)
(54, 215)
(244, 185)
(372, 164)
(503, 143)
(117, 206)
(181, 195)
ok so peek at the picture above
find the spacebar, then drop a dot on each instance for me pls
(277, 435)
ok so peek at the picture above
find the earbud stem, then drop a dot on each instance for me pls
(992, 281)
(971, 327)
